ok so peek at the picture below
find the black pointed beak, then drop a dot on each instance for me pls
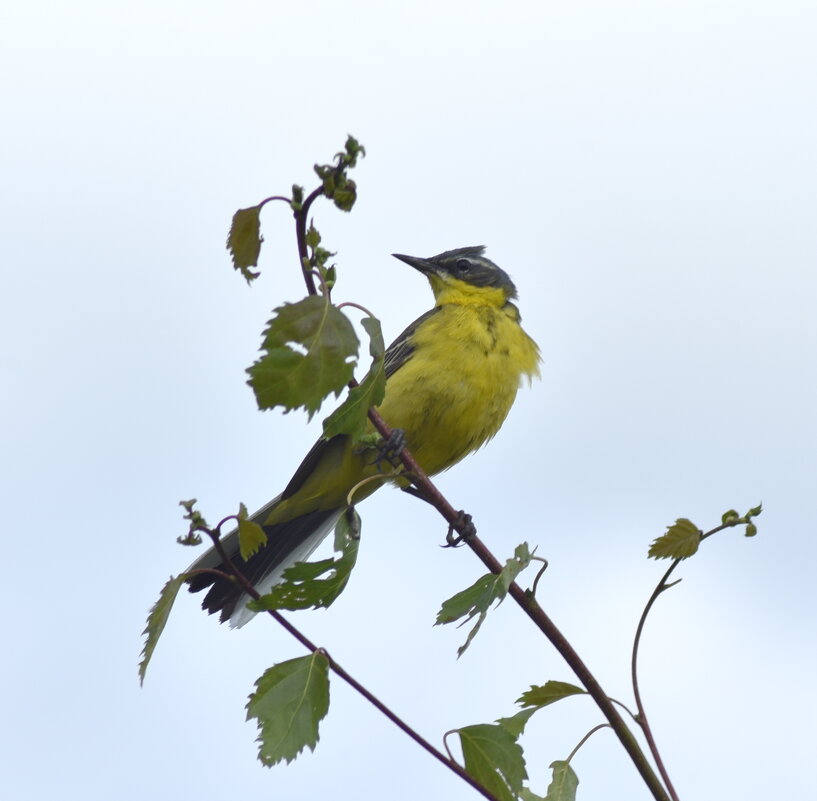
(423, 265)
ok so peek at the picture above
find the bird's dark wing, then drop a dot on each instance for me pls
(397, 354)
(401, 350)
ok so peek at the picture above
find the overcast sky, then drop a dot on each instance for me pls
(645, 171)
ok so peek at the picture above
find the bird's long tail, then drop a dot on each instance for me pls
(288, 542)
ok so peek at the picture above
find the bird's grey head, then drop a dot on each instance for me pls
(465, 264)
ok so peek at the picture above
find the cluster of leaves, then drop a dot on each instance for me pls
(318, 258)
(336, 184)
(476, 600)
(292, 698)
(683, 538)
(492, 754)
(245, 239)
(309, 351)
(310, 348)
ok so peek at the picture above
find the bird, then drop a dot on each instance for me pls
(451, 378)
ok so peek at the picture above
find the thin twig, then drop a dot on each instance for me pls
(642, 714)
(627, 709)
(355, 306)
(274, 197)
(445, 744)
(642, 719)
(586, 738)
(539, 574)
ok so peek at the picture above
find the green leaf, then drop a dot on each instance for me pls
(302, 586)
(680, 541)
(157, 618)
(494, 759)
(345, 194)
(289, 702)
(327, 173)
(197, 523)
(548, 693)
(287, 377)
(755, 510)
(729, 516)
(330, 276)
(353, 150)
(515, 565)
(477, 599)
(469, 601)
(250, 535)
(351, 416)
(515, 724)
(751, 530)
(528, 795)
(564, 783)
(244, 241)
(536, 698)
(313, 236)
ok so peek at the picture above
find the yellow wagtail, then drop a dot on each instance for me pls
(452, 377)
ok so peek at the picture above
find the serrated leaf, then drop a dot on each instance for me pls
(157, 618)
(564, 783)
(469, 601)
(302, 586)
(548, 693)
(286, 377)
(351, 416)
(515, 724)
(289, 701)
(250, 535)
(244, 241)
(680, 541)
(492, 757)
(476, 600)
(755, 510)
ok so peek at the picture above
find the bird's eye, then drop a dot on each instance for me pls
(463, 266)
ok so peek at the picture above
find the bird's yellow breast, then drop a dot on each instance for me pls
(455, 391)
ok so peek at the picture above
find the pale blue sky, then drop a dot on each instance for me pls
(646, 173)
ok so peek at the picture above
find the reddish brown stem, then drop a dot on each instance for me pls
(535, 612)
